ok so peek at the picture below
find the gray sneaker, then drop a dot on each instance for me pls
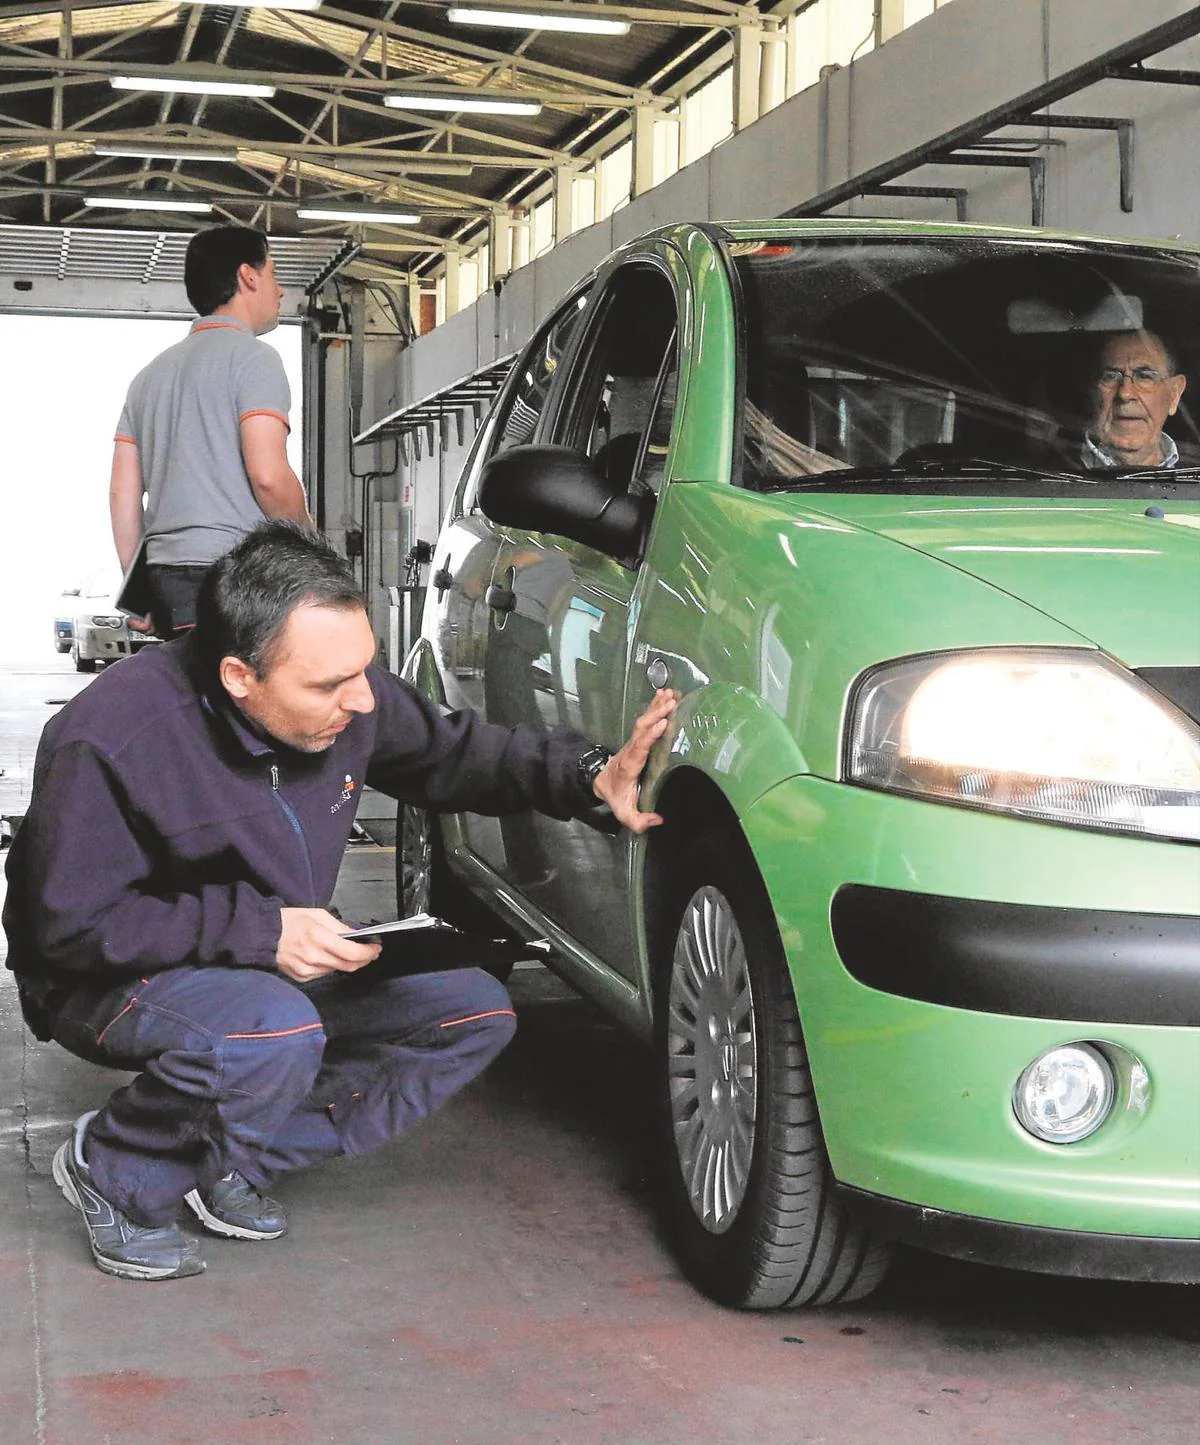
(119, 1246)
(234, 1209)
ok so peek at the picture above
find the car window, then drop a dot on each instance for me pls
(522, 408)
(621, 401)
(921, 353)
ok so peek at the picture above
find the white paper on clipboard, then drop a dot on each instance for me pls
(425, 922)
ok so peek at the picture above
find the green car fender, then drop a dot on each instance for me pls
(726, 748)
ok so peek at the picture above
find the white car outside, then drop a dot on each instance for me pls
(101, 631)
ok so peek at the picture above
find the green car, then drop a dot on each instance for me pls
(909, 516)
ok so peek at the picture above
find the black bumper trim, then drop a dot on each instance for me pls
(1021, 959)
(1074, 1253)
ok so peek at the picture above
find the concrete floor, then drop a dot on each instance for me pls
(497, 1277)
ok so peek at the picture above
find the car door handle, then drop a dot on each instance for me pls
(443, 580)
(500, 599)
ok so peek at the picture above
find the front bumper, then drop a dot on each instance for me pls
(915, 1059)
(103, 643)
(1140, 1258)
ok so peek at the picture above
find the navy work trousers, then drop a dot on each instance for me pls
(243, 1069)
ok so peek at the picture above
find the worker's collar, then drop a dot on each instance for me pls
(217, 323)
(1094, 457)
(216, 704)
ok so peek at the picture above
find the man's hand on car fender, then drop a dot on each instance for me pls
(311, 945)
(617, 783)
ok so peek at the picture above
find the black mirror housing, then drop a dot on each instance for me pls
(558, 490)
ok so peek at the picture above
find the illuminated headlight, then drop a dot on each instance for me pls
(1065, 1094)
(107, 621)
(1062, 736)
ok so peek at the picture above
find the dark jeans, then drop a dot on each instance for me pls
(245, 1070)
(173, 593)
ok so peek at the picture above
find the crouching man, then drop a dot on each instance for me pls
(166, 908)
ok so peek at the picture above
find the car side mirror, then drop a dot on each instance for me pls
(554, 489)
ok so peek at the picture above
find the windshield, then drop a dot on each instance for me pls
(949, 356)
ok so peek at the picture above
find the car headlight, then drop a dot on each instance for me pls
(105, 620)
(1062, 736)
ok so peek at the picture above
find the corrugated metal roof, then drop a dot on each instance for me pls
(93, 253)
(331, 69)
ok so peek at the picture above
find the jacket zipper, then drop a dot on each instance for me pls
(295, 822)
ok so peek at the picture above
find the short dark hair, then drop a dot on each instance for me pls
(248, 595)
(210, 268)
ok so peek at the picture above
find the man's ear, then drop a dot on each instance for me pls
(248, 277)
(1177, 390)
(236, 677)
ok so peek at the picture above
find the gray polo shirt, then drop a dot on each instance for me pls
(184, 414)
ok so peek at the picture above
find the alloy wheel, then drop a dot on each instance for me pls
(712, 1059)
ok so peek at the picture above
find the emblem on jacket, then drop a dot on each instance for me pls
(348, 788)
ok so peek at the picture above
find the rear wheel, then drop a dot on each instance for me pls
(424, 883)
(748, 1191)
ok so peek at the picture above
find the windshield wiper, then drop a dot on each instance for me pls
(964, 469)
(1149, 474)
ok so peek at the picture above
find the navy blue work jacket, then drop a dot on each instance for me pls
(163, 831)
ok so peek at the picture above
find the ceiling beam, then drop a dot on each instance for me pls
(102, 70)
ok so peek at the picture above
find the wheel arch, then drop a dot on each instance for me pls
(691, 802)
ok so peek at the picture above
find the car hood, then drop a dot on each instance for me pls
(1125, 581)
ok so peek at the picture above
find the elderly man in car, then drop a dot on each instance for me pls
(1137, 386)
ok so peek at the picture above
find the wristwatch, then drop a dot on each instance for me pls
(590, 766)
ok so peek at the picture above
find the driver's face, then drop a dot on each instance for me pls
(1132, 407)
(317, 680)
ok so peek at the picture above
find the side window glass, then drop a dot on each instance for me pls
(621, 402)
(539, 366)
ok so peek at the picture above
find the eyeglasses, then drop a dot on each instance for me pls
(1142, 377)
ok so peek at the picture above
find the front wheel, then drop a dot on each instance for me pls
(82, 664)
(748, 1191)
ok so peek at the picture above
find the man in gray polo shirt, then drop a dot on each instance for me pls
(204, 430)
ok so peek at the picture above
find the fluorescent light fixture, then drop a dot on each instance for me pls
(162, 153)
(477, 104)
(261, 4)
(189, 87)
(366, 213)
(536, 20)
(146, 203)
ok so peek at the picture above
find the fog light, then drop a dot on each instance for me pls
(1065, 1094)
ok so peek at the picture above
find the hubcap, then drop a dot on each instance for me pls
(712, 1059)
(416, 861)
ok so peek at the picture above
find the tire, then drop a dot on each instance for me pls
(747, 1189)
(82, 664)
(424, 883)
(61, 644)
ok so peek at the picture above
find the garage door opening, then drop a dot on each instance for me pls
(65, 384)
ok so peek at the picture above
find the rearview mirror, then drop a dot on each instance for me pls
(1035, 316)
(557, 490)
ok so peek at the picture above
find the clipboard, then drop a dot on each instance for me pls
(134, 596)
(424, 944)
